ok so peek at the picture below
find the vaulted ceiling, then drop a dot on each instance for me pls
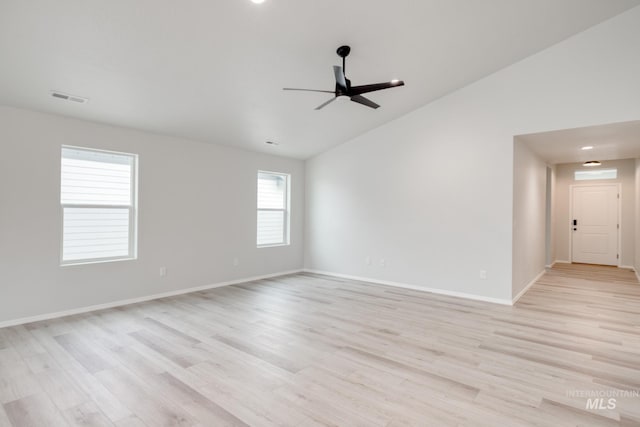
(214, 70)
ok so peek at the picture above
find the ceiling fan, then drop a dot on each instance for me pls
(345, 91)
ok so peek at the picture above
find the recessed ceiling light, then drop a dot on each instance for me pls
(588, 147)
(591, 163)
(257, 1)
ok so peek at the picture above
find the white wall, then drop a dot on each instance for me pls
(636, 263)
(529, 216)
(550, 219)
(626, 177)
(432, 192)
(197, 211)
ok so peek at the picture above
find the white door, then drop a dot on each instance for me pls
(594, 226)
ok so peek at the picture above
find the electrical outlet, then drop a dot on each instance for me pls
(163, 271)
(383, 263)
(483, 274)
(236, 262)
(367, 260)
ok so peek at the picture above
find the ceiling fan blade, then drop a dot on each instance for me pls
(321, 106)
(340, 79)
(308, 90)
(359, 90)
(364, 101)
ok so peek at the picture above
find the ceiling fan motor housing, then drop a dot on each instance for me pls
(343, 51)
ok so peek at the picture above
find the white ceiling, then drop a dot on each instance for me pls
(610, 142)
(213, 70)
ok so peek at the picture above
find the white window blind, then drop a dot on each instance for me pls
(98, 200)
(273, 209)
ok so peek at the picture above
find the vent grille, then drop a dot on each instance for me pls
(68, 97)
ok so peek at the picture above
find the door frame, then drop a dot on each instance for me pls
(599, 184)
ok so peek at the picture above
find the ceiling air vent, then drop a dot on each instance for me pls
(68, 97)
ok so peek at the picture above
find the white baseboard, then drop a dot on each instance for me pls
(526, 288)
(558, 261)
(413, 287)
(120, 303)
(630, 267)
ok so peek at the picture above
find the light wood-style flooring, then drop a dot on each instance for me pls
(310, 350)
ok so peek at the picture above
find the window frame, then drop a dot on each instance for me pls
(286, 238)
(592, 171)
(132, 208)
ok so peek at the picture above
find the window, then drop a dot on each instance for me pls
(273, 209)
(586, 175)
(98, 199)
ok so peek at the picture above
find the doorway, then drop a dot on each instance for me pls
(595, 224)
